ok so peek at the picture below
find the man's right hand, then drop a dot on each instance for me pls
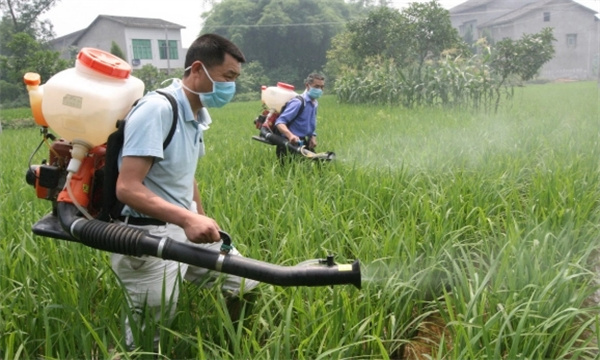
(283, 129)
(201, 229)
(294, 139)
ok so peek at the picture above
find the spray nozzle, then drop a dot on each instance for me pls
(79, 151)
(328, 260)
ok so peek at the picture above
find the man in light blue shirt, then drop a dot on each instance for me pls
(159, 189)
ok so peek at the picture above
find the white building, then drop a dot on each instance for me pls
(576, 28)
(142, 40)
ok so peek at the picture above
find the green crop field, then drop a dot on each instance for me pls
(477, 236)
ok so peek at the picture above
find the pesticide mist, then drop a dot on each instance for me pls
(416, 142)
(427, 140)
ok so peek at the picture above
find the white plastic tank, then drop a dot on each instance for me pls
(85, 102)
(274, 97)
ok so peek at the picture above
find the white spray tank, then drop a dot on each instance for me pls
(82, 104)
(274, 97)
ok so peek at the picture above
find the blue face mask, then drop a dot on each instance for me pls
(222, 93)
(315, 93)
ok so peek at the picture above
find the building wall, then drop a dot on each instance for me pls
(566, 18)
(101, 35)
(466, 21)
(574, 61)
(483, 13)
(64, 46)
(155, 35)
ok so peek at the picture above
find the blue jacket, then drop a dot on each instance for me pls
(305, 124)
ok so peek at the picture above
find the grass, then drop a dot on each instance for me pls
(16, 118)
(477, 236)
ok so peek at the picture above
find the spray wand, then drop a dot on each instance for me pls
(132, 241)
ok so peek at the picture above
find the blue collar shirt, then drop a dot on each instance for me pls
(305, 124)
(172, 174)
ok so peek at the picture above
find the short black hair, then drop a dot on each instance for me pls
(210, 49)
(312, 77)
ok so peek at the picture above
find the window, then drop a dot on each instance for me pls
(546, 16)
(173, 55)
(142, 49)
(571, 40)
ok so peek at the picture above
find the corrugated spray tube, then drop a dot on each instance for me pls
(137, 242)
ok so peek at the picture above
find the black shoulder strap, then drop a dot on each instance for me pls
(175, 116)
(111, 207)
(111, 172)
(302, 104)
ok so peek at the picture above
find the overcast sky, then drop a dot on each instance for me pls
(69, 16)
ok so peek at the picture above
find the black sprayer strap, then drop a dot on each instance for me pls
(175, 116)
(111, 207)
(300, 111)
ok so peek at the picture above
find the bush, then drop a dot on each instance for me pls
(248, 96)
(11, 92)
(452, 81)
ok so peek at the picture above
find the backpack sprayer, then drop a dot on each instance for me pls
(82, 105)
(274, 99)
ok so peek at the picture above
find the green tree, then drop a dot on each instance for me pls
(409, 37)
(377, 34)
(154, 78)
(115, 49)
(22, 16)
(248, 85)
(393, 52)
(24, 47)
(521, 58)
(25, 55)
(289, 38)
(428, 31)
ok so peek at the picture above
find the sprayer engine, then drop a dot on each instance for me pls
(50, 177)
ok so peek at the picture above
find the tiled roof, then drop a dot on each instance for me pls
(468, 5)
(515, 14)
(471, 4)
(126, 21)
(129, 21)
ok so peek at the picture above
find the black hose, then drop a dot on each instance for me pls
(274, 139)
(137, 242)
(279, 140)
(106, 236)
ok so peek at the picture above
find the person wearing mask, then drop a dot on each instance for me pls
(158, 186)
(298, 121)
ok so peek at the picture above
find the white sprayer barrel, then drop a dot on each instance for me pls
(277, 96)
(85, 102)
